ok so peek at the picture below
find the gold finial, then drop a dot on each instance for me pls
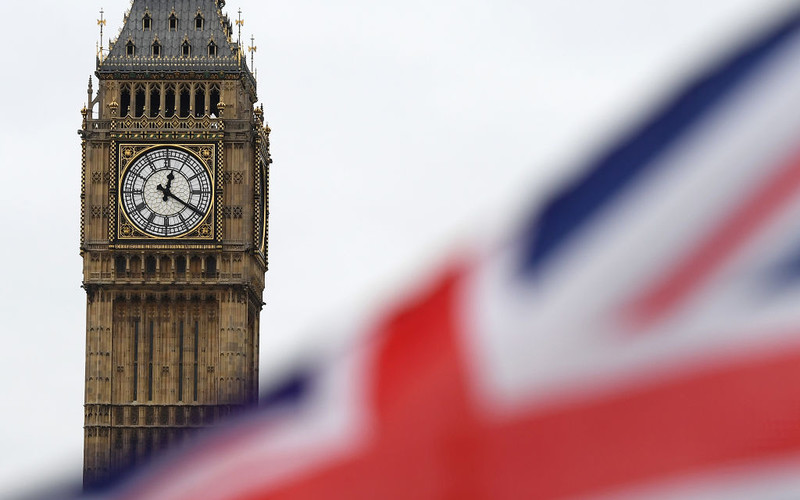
(252, 49)
(101, 22)
(240, 23)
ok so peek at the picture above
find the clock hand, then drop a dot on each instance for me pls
(191, 207)
(169, 183)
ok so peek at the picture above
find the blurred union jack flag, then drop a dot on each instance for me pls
(637, 337)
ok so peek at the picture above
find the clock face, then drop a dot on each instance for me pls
(166, 192)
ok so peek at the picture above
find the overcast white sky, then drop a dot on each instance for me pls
(400, 130)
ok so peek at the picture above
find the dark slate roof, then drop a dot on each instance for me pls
(216, 27)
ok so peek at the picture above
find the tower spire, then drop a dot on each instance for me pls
(252, 48)
(89, 92)
(240, 23)
(101, 22)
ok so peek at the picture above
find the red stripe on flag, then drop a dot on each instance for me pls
(431, 444)
(692, 271)
(743, 412)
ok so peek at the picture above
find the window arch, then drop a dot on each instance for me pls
(130, 49)
(156, 48)
(173, 21)
(169, 100)
(150, 265)
(214, 100)
(186, 49)
(135, 266)
(180, 265)
(212, 49)
(199, 21)
(185, 101)
(199, 101)
(211, 267)
(147, 22)
(139, 94)
(165, 266)
(125, 98)
(155, 100)
(195, 265)
(119, 265)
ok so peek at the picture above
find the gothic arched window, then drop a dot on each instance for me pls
(212, 49)
(180, 265)
(214, 100)
(135, 265)
(198, 21)
(156, 49)
(173, 22)
(125, 98)
(119, 266)
(169, 101)
(130, 49)
(150, 265)
(147, 22)
(211, 267)
(186, 49)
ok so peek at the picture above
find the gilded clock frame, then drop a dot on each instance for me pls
(123, 231)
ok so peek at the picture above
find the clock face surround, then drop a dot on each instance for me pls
(166, 192)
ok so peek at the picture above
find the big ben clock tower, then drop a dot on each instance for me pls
(174, 207)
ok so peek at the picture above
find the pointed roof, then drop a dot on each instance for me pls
(183, 45)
